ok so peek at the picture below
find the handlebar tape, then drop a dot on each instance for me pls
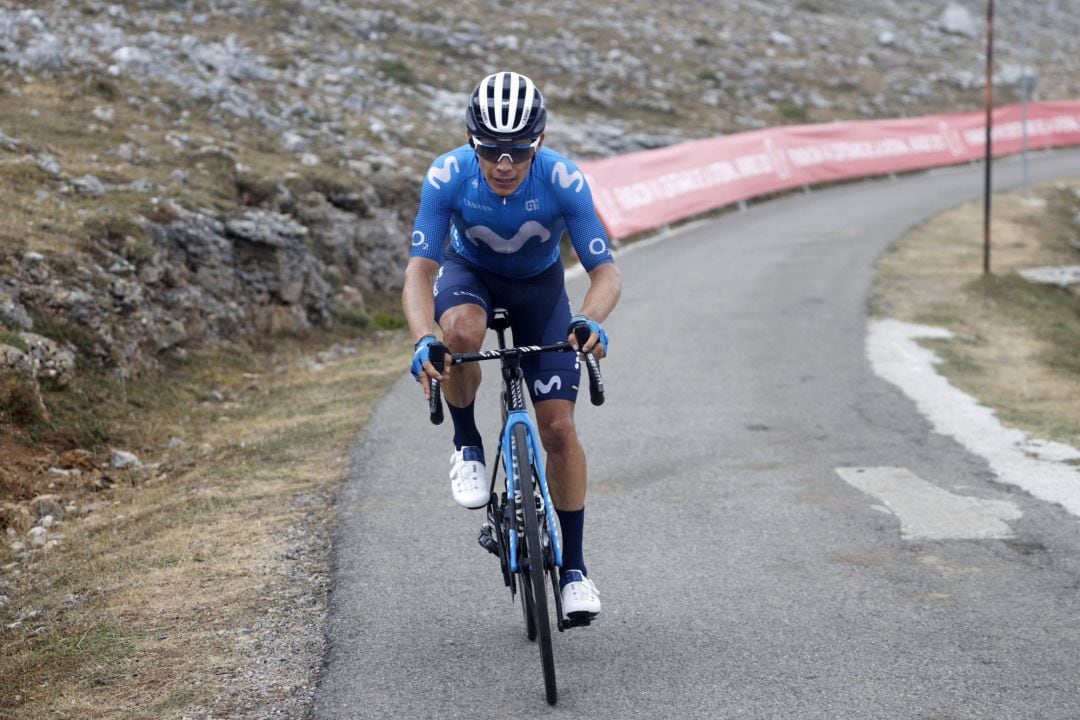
(596, 381)
(437, 352)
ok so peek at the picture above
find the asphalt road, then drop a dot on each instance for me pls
(741, 575)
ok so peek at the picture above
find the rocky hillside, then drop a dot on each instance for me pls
(174, 173)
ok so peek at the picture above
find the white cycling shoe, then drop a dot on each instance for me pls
(580, 598)
(467, 482)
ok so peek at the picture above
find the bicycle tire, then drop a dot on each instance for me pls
(527, 611)
(534, 550)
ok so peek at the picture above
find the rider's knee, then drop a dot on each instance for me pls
(559, 433)
(463, 331)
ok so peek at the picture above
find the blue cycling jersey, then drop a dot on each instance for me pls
(517, 236)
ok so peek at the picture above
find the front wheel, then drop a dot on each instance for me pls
(527, 610)
(532, 568)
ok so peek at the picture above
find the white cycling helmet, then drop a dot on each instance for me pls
(507, 108)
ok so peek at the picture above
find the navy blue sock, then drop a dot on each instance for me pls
(572, 523)
(465, 430)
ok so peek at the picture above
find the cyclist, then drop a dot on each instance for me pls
(506, 201)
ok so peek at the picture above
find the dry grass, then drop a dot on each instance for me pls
(1018, 348)
(147, 608)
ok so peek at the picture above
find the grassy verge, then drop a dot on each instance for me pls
(175, 583)
(1018, 343)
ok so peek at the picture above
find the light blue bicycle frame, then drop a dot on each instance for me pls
(521, 417)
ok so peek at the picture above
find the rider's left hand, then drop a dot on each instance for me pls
(597, 343)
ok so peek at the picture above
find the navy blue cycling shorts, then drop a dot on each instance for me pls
(539, 313)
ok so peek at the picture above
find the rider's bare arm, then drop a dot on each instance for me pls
(605, 286)
(416, 298)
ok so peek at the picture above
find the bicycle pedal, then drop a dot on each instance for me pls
(487, 539)
(572, 622)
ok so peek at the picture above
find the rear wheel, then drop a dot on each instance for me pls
(533, 576)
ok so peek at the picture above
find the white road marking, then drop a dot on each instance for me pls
(926, 512)
(1034, 465)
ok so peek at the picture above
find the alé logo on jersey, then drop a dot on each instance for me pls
(443, 174)
(528, 230)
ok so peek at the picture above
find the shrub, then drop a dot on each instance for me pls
(397, 71)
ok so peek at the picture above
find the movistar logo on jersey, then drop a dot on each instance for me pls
(483, 234)
(562, 175)
(437, 175)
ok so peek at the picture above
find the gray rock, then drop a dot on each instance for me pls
(49, 359)
(47, 506)
(1018, 75)
(49, 164)
(16, 360)
(37, 536)
(45, 52)
(265, 228)
(293, 142)
(12, 312)
(779, 38)
(956, 19)
(90, 186)
(133, 59)
(172, 333)
(124, 460)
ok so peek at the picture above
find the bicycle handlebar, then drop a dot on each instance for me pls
(439, 353)
(596, 382)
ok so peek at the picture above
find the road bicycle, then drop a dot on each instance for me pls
(522, 526)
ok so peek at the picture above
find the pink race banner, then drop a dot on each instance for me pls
(646, 190)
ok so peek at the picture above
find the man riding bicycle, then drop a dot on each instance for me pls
(506, 200)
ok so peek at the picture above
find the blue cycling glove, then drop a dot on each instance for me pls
(594, 327)
(421, 354)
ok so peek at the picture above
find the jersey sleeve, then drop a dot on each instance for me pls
(433, 217)
(587, 233)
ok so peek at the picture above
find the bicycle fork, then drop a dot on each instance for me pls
(514, 484)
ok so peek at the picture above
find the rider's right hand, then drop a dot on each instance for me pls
(421, 366)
